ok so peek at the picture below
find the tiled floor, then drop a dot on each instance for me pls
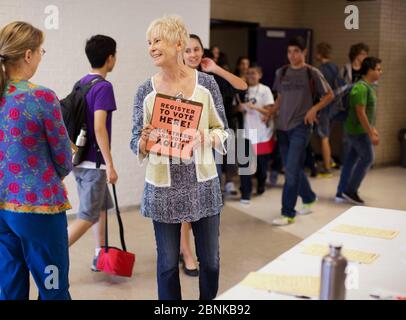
(248, 241)
(382, 188)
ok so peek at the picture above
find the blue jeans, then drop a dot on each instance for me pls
(292, 146)
(206, 234)
(36, 243)
(359, 158)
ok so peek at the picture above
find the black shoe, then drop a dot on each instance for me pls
(260, 191)
(353, 198)
(190, 272)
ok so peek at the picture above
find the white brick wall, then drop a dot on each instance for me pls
(65, 61)
(391, 115)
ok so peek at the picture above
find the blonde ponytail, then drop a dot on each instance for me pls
(15, 39)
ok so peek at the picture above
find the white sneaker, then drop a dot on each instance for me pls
(307, 208)
(230, 189)
(245, 201)
(283, 221)
(94, 264)
(340, 199)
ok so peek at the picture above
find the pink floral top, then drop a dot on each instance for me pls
(35, 153)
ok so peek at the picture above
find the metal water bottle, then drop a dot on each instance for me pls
(332, 282)
(80, 143)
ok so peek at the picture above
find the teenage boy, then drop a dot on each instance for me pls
(91, 180)
(257, 133)
(331, 73)
(298, 86)
(351, 72)
(361, 133)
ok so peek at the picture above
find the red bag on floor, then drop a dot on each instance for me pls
(114, 260)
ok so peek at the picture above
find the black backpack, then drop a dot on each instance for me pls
(74, 107)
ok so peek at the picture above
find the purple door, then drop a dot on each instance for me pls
(271, 49)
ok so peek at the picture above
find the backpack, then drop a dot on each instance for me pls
(341, 102)
(74, 107)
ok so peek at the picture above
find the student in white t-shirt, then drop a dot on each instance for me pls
(258, 133)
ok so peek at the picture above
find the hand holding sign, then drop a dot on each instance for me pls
(145, 136)
(175, 121)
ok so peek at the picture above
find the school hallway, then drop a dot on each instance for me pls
(248, 241)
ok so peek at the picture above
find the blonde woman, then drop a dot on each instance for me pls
(35, 156)
(181, 192)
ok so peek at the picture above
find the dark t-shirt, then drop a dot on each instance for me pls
(296, 94)
(331, 72)
(356, 75)
(100, 97)
(228, 93)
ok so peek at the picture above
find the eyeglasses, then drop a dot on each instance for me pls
(42, 51)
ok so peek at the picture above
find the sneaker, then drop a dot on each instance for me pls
(307, 208)
(325, 173)
(353, 198)
(94, 264)
(283, 221)
(230, 189)
(245, 201)
(339, 198)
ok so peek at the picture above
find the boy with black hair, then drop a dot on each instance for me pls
(91, 179)
(360, 131)
(298, 85)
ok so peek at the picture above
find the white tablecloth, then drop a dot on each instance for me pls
(387, 273)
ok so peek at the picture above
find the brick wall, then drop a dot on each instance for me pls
(273, 13)
(391, 115)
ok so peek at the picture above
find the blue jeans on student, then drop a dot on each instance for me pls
(292, 146)
(206, 234)
(36, 243)
(359, 158)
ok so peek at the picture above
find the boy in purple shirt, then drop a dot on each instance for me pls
(91, 180)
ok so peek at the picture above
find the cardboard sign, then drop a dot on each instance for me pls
(176, 121)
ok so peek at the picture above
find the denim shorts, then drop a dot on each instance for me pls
(323, 127)
(92, 189)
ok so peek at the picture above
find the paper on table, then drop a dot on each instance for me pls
(352, 255)
(285, 284)
(368, 232)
